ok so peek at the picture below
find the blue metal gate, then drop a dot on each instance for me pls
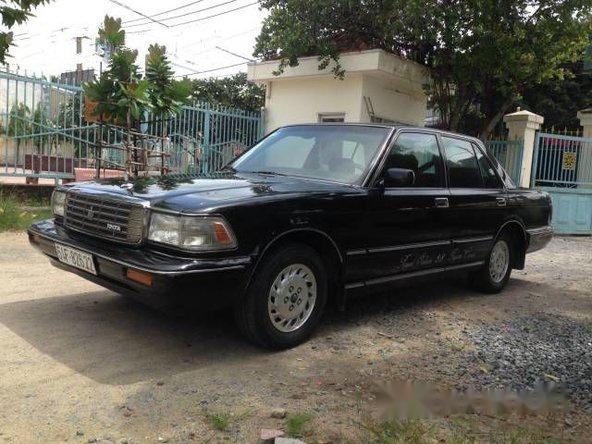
(562, 166)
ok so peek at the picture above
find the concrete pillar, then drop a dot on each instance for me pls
(585, 155)
(523, 125)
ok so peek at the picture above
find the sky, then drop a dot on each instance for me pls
(46, 44)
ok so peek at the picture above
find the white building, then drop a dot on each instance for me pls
(377, 87)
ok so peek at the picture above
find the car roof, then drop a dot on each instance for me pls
(392, 126)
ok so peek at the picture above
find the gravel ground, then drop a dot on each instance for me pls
(532, 352)
(79, 363)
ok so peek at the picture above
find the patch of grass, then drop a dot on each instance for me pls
(16, 215)
(223, 421)
(295, 424)
(410, 431)
(219, 420)
(467, 432)
(521, 436)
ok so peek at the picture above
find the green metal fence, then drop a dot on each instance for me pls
(509, 155)
(44, 133)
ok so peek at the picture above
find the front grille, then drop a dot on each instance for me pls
(107, 218)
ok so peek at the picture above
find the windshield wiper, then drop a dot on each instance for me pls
(271, 173)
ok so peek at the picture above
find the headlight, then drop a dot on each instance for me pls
(58, 203)
(196, 233)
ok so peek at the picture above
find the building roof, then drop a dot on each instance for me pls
(372, 61)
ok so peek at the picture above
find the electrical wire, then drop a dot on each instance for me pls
(207, 70)
(167, 11)
(188, 13)
(123, 5)
(214, 15)
(234, 54)
(219, 40)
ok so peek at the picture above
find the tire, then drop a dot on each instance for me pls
(495, 273)
(286, 297)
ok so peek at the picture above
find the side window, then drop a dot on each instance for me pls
(419, 153)
(490, 179)
(463, 169)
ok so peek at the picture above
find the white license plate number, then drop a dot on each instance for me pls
(76, 258)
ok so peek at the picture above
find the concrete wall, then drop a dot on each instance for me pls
(301, 100)
(8, 151)
(393, 100)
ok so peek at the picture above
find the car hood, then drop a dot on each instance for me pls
(190, 193)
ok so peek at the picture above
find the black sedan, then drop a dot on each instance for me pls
(311, 214)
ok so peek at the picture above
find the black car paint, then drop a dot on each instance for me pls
(371, 236)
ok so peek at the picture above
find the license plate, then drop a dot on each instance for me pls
(75, 258)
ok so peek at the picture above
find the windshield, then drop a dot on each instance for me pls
(338, 153)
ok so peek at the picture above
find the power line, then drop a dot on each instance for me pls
(214, 15)
(139, 31)
(207, 70)
(48, 33)
(166, 12)
(189, 13)
(235, 54)
(219, 40)
(118, 3)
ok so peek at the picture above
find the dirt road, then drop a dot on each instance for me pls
(79, 363)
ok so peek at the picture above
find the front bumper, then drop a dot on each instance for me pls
(538, 238)
(212, 282)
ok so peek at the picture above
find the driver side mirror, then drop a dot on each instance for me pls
(399, 178)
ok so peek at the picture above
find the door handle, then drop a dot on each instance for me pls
(441, 202)
(501, 201)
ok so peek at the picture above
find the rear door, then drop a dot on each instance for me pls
(477, 200)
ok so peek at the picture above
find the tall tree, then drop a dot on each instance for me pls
(14, 12)
(234, 92)
(559, 100)
(482, 53)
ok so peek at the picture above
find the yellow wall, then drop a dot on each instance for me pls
(394, 101)
(292, 101)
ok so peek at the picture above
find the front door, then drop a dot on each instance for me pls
(405, 226)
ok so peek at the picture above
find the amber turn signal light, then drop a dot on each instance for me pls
(222, 235)
(139, 276)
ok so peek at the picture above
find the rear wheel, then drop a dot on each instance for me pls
(495, 273)
(285, 300)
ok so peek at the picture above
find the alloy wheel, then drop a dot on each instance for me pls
(292, 298)
(499, 261)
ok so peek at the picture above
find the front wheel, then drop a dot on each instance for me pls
(285, 300)
(495, 273)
